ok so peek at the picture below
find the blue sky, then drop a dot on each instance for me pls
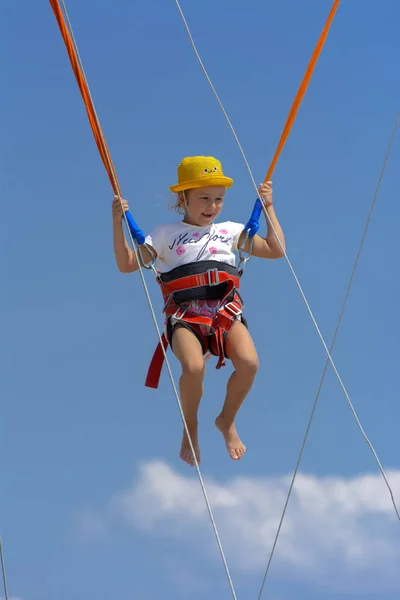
(94, 499)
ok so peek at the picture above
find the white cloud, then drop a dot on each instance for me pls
(335, 529)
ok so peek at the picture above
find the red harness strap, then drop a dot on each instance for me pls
(154, 373)
(210, 278)
(220, 325)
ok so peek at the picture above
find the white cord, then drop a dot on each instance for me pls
(3, 571)
(329, 357)
(156, 324)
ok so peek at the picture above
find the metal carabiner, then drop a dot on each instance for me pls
(151, 264)
(243, 260)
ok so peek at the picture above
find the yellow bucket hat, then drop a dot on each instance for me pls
(198, 172)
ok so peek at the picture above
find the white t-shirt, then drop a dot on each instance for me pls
(179, 243)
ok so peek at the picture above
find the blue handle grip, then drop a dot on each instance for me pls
(135, 230)
(253, 224)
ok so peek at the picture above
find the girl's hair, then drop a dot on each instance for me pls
(178, 206)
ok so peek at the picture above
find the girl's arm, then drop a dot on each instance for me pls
(125, 257)
(269, 246)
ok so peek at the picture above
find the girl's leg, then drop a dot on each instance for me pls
(242, 352)
(189, 352)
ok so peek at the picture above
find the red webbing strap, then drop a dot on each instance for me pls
(156, 365)
(193, 281)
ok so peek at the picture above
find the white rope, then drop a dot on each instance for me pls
(375, 197)
(3, 571)
(212, 519)
(329, 357)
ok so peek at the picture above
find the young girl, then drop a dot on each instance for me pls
(193, 245)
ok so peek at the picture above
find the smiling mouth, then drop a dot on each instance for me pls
(207, 215)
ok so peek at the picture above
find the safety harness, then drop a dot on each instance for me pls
(206, 280)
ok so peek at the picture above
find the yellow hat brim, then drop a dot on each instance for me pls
(203, 182)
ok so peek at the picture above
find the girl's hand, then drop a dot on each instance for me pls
(265, 193)
(117, 210)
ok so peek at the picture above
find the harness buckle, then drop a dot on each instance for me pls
(213, 277)
(180, 313)
(233, 309)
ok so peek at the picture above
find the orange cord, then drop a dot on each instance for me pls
(302, 89)
(95, 125)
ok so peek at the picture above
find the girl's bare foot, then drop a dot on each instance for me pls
(233, 443)
(186, 452)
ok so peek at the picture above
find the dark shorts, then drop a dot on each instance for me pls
(207, 342)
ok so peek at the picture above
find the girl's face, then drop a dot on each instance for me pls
(202, 205)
